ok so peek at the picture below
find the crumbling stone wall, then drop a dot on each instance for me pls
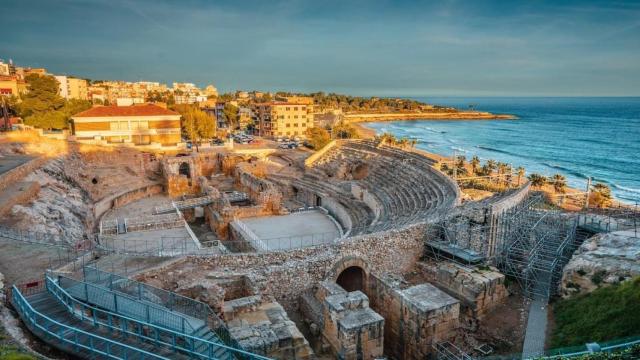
(416, 317)
(479, 289)
(285, 275)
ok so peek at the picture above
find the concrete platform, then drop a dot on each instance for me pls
(296, 230)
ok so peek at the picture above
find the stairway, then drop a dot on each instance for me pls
(92, 322)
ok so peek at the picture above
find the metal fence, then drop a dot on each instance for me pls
(127, 305)
(68, 337)
(168, 299)
(191, 345)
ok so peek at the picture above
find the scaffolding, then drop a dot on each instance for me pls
(529, 243)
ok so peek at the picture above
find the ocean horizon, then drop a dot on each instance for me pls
(578, 137)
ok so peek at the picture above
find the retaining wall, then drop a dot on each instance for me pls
(123, 198)
(20, 172)
(318, 154)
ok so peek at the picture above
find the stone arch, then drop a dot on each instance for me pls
(185, 169)
(352, 273)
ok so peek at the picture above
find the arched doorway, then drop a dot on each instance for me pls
(185, 170)
(352, 279)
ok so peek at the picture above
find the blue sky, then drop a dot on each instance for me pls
(384, 48)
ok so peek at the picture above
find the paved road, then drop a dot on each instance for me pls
(534, 337)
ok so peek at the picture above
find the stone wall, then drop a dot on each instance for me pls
(416, 317)
(285, 275)
(123, 198)
(318, 154)
(496, 210)
(20, 172)
(480, 290)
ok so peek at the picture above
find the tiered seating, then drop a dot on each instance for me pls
(405, 183)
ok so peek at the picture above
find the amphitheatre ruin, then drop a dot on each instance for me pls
(361, 250)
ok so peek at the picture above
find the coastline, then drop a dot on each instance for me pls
(426, 116)
(365, 132)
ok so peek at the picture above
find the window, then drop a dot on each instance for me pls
(281, 117)
(295, 108)
(304, 125)
(287, 108)
(304, 116)
(288, 132)
(295, 116)
(295, 125)
(288, 125)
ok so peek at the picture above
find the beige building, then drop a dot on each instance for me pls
(73, 88)
(138, 124)
(283, 119)
(11, 86)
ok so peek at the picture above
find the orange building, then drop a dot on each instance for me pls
(283, 119)
(138, 124)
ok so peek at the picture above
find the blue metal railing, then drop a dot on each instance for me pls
(168, 299)
(142, 291)
(176, 341)
(126, 305)
(68, 337)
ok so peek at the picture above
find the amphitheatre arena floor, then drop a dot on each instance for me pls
(295, 230)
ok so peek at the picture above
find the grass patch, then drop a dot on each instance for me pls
(607, 313)
(11, 353)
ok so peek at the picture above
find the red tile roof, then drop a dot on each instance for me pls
(134, 110)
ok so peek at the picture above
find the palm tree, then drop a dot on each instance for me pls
(559, 183)
(502, 169)
(490, 167)
(475, 162)
(537, 180)
(521, 173)
(601, 196)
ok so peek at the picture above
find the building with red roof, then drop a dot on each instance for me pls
(143, 124)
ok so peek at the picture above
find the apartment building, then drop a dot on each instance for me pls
(283, 119)
(138, 124)
(12, 85)
(73, 88)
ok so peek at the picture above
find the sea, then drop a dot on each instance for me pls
(581, 137)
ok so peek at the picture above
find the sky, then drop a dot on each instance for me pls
(367, 48)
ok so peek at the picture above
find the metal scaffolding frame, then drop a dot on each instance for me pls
(533, 244)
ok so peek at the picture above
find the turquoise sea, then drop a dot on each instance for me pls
(577, 137)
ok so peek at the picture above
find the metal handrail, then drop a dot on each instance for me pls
(44, 323)
(167, 319)
(192, 342)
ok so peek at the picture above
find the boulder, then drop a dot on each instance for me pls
(603, 259)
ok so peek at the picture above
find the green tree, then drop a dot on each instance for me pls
(318, 137)
(74, 106)
(48, 120)
(475, 162)
(520, 170)
(537, 180)
(231, 114)
(601, 195)
(559, 183)
(344, 130)
(42, 96)
(196, 124)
